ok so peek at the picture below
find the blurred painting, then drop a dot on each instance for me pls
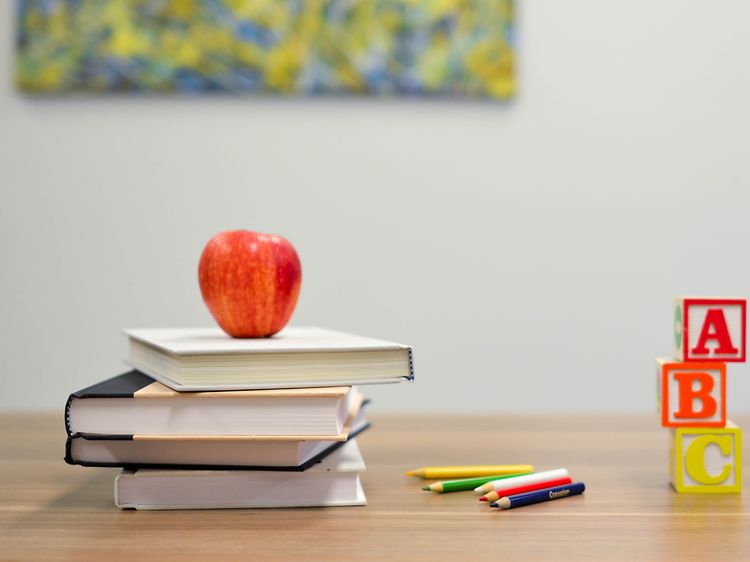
(288, 47)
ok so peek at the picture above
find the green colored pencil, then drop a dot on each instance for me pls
(465, 483)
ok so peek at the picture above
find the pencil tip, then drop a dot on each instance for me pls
(483, 499)
(426, 488)
(409, 473)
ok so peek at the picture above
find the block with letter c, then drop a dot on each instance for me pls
(706, 460)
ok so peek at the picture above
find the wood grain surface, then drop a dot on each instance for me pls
(49, 510)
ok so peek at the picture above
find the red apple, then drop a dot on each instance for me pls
(250, 282)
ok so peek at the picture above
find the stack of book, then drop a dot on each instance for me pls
(208, 421)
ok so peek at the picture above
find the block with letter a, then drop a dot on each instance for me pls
(706, 460)
(710, 329)
(691, 394)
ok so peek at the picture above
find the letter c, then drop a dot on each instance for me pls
(695, 458)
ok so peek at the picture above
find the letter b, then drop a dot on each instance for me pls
(688, 394)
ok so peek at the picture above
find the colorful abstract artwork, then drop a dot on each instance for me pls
(303, 47)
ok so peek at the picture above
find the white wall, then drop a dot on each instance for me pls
(529, 252)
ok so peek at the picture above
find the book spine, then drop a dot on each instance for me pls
(67, 415)
(68, 454)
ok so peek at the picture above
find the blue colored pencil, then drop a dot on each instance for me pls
(527, 498)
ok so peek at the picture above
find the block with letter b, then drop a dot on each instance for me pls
(691, 394)
(710, 329)
(706, 460)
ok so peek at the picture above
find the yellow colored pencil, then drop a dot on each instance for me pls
(469, 471)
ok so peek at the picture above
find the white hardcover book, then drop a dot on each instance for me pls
(333, 482)
(134, 404)
(189, 359)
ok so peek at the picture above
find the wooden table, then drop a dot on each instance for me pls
(49, 510)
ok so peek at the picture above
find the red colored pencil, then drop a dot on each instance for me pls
(494, 496)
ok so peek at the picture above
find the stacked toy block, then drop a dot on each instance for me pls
(705, 454)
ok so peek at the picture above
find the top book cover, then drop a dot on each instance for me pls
(190, 359)
(710, 329)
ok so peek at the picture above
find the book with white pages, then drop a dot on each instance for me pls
(195, 359)
(212, 453)
(135, 404)
(333, 482)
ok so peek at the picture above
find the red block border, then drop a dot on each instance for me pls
(686, 303)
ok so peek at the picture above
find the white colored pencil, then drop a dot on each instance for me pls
(512, 482)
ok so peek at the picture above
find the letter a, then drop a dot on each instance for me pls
(715, 329)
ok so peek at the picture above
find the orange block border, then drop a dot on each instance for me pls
(693, 366)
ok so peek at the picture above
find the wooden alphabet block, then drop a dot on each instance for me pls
(691, 394)
(710, 329)
(706, 460)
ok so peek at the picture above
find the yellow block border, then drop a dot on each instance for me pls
(678, 460)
